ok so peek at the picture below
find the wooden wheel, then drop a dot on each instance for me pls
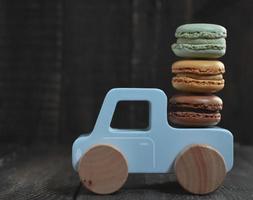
(103, 169)
(200, 169)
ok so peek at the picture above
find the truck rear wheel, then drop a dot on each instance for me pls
(103, 169)
(200, 169)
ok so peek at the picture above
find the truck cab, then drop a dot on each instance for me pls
(151, 150)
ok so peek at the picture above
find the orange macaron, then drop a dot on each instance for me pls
(200, 76)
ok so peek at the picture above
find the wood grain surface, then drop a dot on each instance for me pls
(200, 169)
(30, 68)
(40, 172)
(103, 169)
(45, 172)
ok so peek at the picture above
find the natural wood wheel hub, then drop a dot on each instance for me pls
(200, 169)
(103, 169)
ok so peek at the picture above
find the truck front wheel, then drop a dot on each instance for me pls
(200, 169)
(103, 169)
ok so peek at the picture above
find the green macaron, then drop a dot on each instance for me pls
(200, 41)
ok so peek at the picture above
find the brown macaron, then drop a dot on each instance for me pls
(195, 111)
(201, 76)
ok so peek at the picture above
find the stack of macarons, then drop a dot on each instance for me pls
(198, 76)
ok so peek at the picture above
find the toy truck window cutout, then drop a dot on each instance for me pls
(200, 157)
(140, 110)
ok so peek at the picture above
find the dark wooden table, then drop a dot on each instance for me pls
(45, 172)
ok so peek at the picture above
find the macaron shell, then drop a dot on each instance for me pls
(201, 30)
(207, 51)
(193, 119)
(199, 47)
(194, 85)
(204, 67)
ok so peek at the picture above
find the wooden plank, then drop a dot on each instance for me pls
(30, 54)
(237, 185)
(97, 40)
(42, 172)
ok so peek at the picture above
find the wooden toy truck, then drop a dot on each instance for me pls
(200, 157)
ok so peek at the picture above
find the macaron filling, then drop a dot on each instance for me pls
(189, 78)
(200, 34)
(197, 108)
(219, 41)
(198, 70)
(201, 77)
